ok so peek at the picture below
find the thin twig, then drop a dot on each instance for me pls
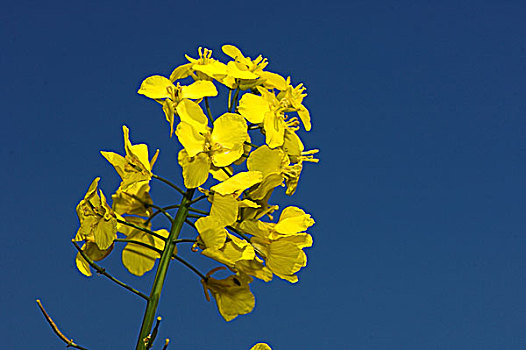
(184, 240)
(143, 229)
(197, 199)
(69, 342)
(169, 184)
(190, 266)
(242, 234)
(138, 243)
(190, 223)
(166, 344)
(168, 216)
(226, 171)
(102, 271)
(195, 216)
(199, 211)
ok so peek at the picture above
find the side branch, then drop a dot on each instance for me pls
(169, 184)
(143, 229)
(69, 342)
(102, 271)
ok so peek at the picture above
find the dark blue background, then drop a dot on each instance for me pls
(418, 108)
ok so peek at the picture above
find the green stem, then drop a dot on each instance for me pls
(208, 110)
(234, 102)
(162, 269)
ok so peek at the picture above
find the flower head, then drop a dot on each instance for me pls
(232, 294)
(98, 222)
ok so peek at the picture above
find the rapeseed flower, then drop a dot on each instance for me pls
(98, 222)
(178, 99)
(232, 294)
(203, 148)
(135, 166)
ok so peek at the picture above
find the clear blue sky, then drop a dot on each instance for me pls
(418, 108)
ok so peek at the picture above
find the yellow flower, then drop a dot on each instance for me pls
(135, 166)
(261, 346)
(245, 73)
(293, 98)
(232, 294)
(134, 200)
(281, 244)
(178, 99)
(284, 256)
(203, 68)
(267, 110)
(98, 222)
(94, 253)
(221, 147)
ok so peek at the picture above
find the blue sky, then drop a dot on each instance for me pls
(418, 109)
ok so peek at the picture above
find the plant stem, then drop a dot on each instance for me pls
(208, 110)
(162, 268)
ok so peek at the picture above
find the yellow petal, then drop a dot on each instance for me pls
(215, 69)
(136, 258)
(230, 130)
(268, 184)
(292, 145)
(169, 111)
(273, 80)
(253, 108)
(236, 72)
(226, 156)
(285, 259)
(117, 161)
(211, 231)
(293, 220)
(224, 209)
(181, 72)
(195, 170)
(220, 174)
(94, 253)
(156, 87)
(132, 199)
(232, 51)
(267, 160)
(139, 151)
(192, 141)
(190, 112)
(274, 129)
(304, 115)
(199, 89)
(233, 295)
(260, 346)
(238, 183)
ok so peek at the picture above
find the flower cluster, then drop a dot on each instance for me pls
(220, 160)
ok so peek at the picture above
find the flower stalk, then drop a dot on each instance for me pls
(162, 269)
